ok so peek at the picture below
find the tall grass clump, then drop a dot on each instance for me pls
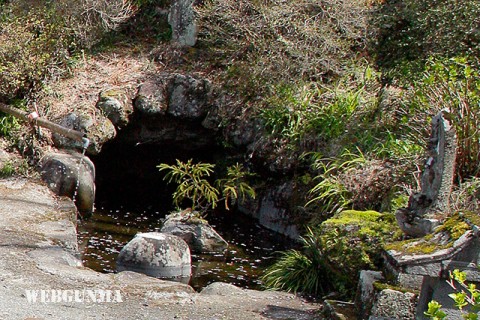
(301, 270)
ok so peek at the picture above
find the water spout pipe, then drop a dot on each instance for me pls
(34, 118)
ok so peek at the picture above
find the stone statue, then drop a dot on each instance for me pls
(428, 208)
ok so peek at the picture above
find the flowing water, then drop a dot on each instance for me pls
(251, 248)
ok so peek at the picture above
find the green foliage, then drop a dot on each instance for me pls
(393, 147)
(193, 184)
(297, 115)
(410, 31)
(454, 84)
(333, 254)
(434, 311)
(34, 47)
(329, 194)
(14, 167)
(7, 169)
(301, 271)
(466, 298)
(234, 186)
(310, 111)
(8, 125)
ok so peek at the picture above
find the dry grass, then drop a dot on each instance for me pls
(93, 75)
(284, 40)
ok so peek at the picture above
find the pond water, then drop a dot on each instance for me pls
(132, 197)
(251, 248)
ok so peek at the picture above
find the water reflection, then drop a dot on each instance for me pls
(249, 252)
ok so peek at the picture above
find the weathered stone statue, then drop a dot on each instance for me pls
(427, 208)
(182, 20)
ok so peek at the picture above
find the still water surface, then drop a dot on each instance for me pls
(251, 248)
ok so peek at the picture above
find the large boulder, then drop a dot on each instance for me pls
(72, 175)
(273, 209)
(99, 130)
(199, 235)
(393, 304)
(158, 255)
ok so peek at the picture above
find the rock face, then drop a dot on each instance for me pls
(181, 96)
(158, 255)
(170, 109)
(71, 175)
(365, 296)
(199, 235)
(392, 304)
(272, 210)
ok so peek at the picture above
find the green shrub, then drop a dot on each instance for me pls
(330, 195)
(40, 39)
(410, 31)
(34, 47)
(193, 186)
(8, 125)
(466, 298)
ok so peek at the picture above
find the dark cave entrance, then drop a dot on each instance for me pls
(127, 175)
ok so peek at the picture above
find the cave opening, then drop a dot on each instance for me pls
(127, 175)
(132, 197)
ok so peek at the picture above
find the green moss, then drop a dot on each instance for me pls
(471, 217)
(354, 216)
(453, 227)
(112, 93)
(369, 223)
(379, 286)
(414, 246)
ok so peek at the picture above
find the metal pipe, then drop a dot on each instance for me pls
(33, 118)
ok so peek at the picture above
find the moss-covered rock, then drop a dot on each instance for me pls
(353, 240)
(443, 237)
